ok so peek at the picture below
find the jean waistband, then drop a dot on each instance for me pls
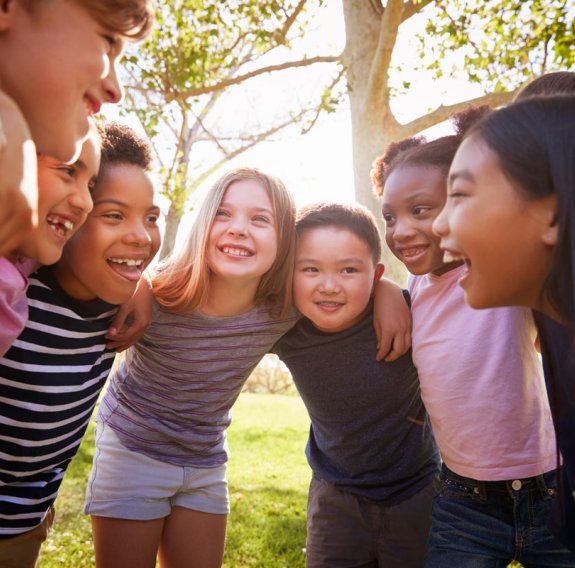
(544, 483)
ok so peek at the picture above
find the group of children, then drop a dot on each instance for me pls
(444, 456)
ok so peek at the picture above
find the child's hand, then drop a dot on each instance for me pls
(18, 177)
(132, 319)
(391, 320)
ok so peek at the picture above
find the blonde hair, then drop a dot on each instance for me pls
(182, 281)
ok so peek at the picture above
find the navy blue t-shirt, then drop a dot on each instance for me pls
(369, 434)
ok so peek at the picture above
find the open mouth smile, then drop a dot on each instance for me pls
(129, 268)
(235, 251)
(61, 226)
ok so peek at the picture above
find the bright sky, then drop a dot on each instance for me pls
(318, 166)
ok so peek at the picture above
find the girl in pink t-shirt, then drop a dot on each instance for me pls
(481, 382)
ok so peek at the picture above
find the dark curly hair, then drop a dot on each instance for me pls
(121, 145)
(418, 150)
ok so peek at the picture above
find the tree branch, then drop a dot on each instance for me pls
(410, 8)
(377, 97)
(290, 20)
(442, 113)
(241, 78)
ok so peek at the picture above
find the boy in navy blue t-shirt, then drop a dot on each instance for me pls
(370, 449)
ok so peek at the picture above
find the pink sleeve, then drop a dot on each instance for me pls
(13, 304)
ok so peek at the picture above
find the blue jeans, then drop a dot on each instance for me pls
(487, 524)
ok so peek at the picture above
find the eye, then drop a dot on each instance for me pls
(68, 170)
(113, 215)
(420, 209)
(388, 218)
(111, 40)
(455, 193)
(152, 218)
(222, 213)
(349, 270)
(262, 219)
(310, 269)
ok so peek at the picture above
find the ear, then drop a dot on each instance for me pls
(550, 232)
(379, 270)
(7, 9)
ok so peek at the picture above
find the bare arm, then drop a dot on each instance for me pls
(392, 321)
(132, 319)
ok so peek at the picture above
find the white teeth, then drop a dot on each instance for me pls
(64, 225)
(235, 251)
(127, 261)
(450, 256)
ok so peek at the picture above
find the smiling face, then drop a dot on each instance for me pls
(413, 196)
(507, 241)
(242, 243)
(106, 258)
(58, 65)
(64, 201)
(334, 277)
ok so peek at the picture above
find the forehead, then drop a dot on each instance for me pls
(413, 181)
(331, 242)
(126, 183)
(247, 191)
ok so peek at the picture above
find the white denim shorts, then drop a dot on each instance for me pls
(124, 484)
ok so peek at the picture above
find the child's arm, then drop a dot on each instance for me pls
(392, 321)
(132, 319)
(18, 177)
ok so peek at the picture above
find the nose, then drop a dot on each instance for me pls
(238, 226)
(81, 199)
(402, 229)
(113, 91)
(440, 226)
(137, 235)
(328, 284)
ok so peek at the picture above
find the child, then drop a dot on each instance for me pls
(51, 377)
(63, 204)
(513, 177)
(159, 475)
(481, 383)
(67, 51)
(556, 344)
(373, 460)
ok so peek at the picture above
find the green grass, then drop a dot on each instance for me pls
(268, 480)
(268, 477)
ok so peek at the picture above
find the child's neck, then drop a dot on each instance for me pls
(228, 298)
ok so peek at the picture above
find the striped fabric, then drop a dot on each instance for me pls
(50, 380)
(171, 397)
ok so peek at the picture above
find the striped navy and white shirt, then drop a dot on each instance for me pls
(50, 380)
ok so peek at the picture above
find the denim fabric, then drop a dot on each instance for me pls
(477, 524)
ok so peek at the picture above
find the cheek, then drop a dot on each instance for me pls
(156, 240)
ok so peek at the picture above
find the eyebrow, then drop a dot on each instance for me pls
(463, 174)
(351, 260)
(262, 209)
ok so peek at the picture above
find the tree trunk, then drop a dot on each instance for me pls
(372, 129)
(171, 230)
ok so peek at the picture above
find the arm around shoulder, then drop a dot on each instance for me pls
(391, 320)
